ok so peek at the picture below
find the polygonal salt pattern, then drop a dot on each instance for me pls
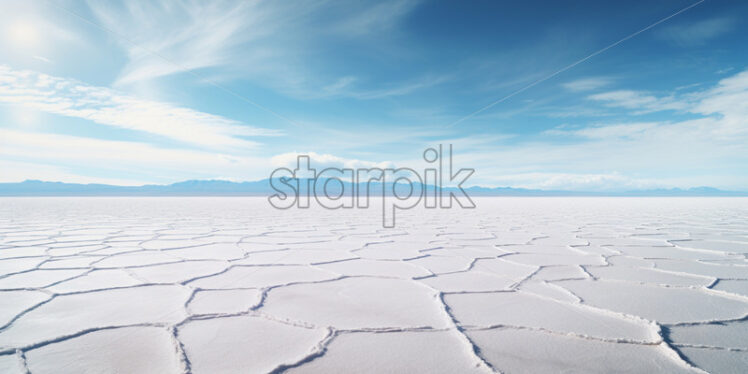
(205, 285)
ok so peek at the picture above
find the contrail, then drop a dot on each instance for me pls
(574, 64)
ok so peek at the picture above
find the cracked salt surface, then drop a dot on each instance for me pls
(109, 351)
(206, 285)
(406, 352)
(528, 351)
(245, 344)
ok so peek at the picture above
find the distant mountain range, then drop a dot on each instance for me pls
(262, 188)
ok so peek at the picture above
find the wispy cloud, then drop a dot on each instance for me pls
(321, 161)
(346, 87)
(727, 102)
(126, 159)
(587, 84)
(163, 39)
(380, 16)
(723, 115)
(274, 44)
(697, 33)
(109, 107)
(642, 102)
(627, 130)
(613, 155)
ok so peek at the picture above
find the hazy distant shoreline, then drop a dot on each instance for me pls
(262, 188)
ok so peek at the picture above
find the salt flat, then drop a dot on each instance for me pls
(222, 285)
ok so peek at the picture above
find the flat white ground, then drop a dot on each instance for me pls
(517, 285)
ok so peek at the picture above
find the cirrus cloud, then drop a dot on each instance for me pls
(109, 107)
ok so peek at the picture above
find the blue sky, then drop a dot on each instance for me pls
(135, 92)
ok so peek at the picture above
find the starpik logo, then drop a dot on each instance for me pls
(397, 188)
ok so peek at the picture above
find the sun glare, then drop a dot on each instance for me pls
(22, 34)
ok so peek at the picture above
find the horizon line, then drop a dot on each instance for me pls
(707, 190)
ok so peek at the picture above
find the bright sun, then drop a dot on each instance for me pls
(22, 34)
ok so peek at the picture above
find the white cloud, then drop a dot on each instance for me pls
(128, 160)
(642, 102)
(346, 87)
(709, 150)
(697, 33)
(109, 107)
(586, 84)
(379, 16)
(191, 35)
(627, 130)
(321, 161)
(727, 100)
(273, 43)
